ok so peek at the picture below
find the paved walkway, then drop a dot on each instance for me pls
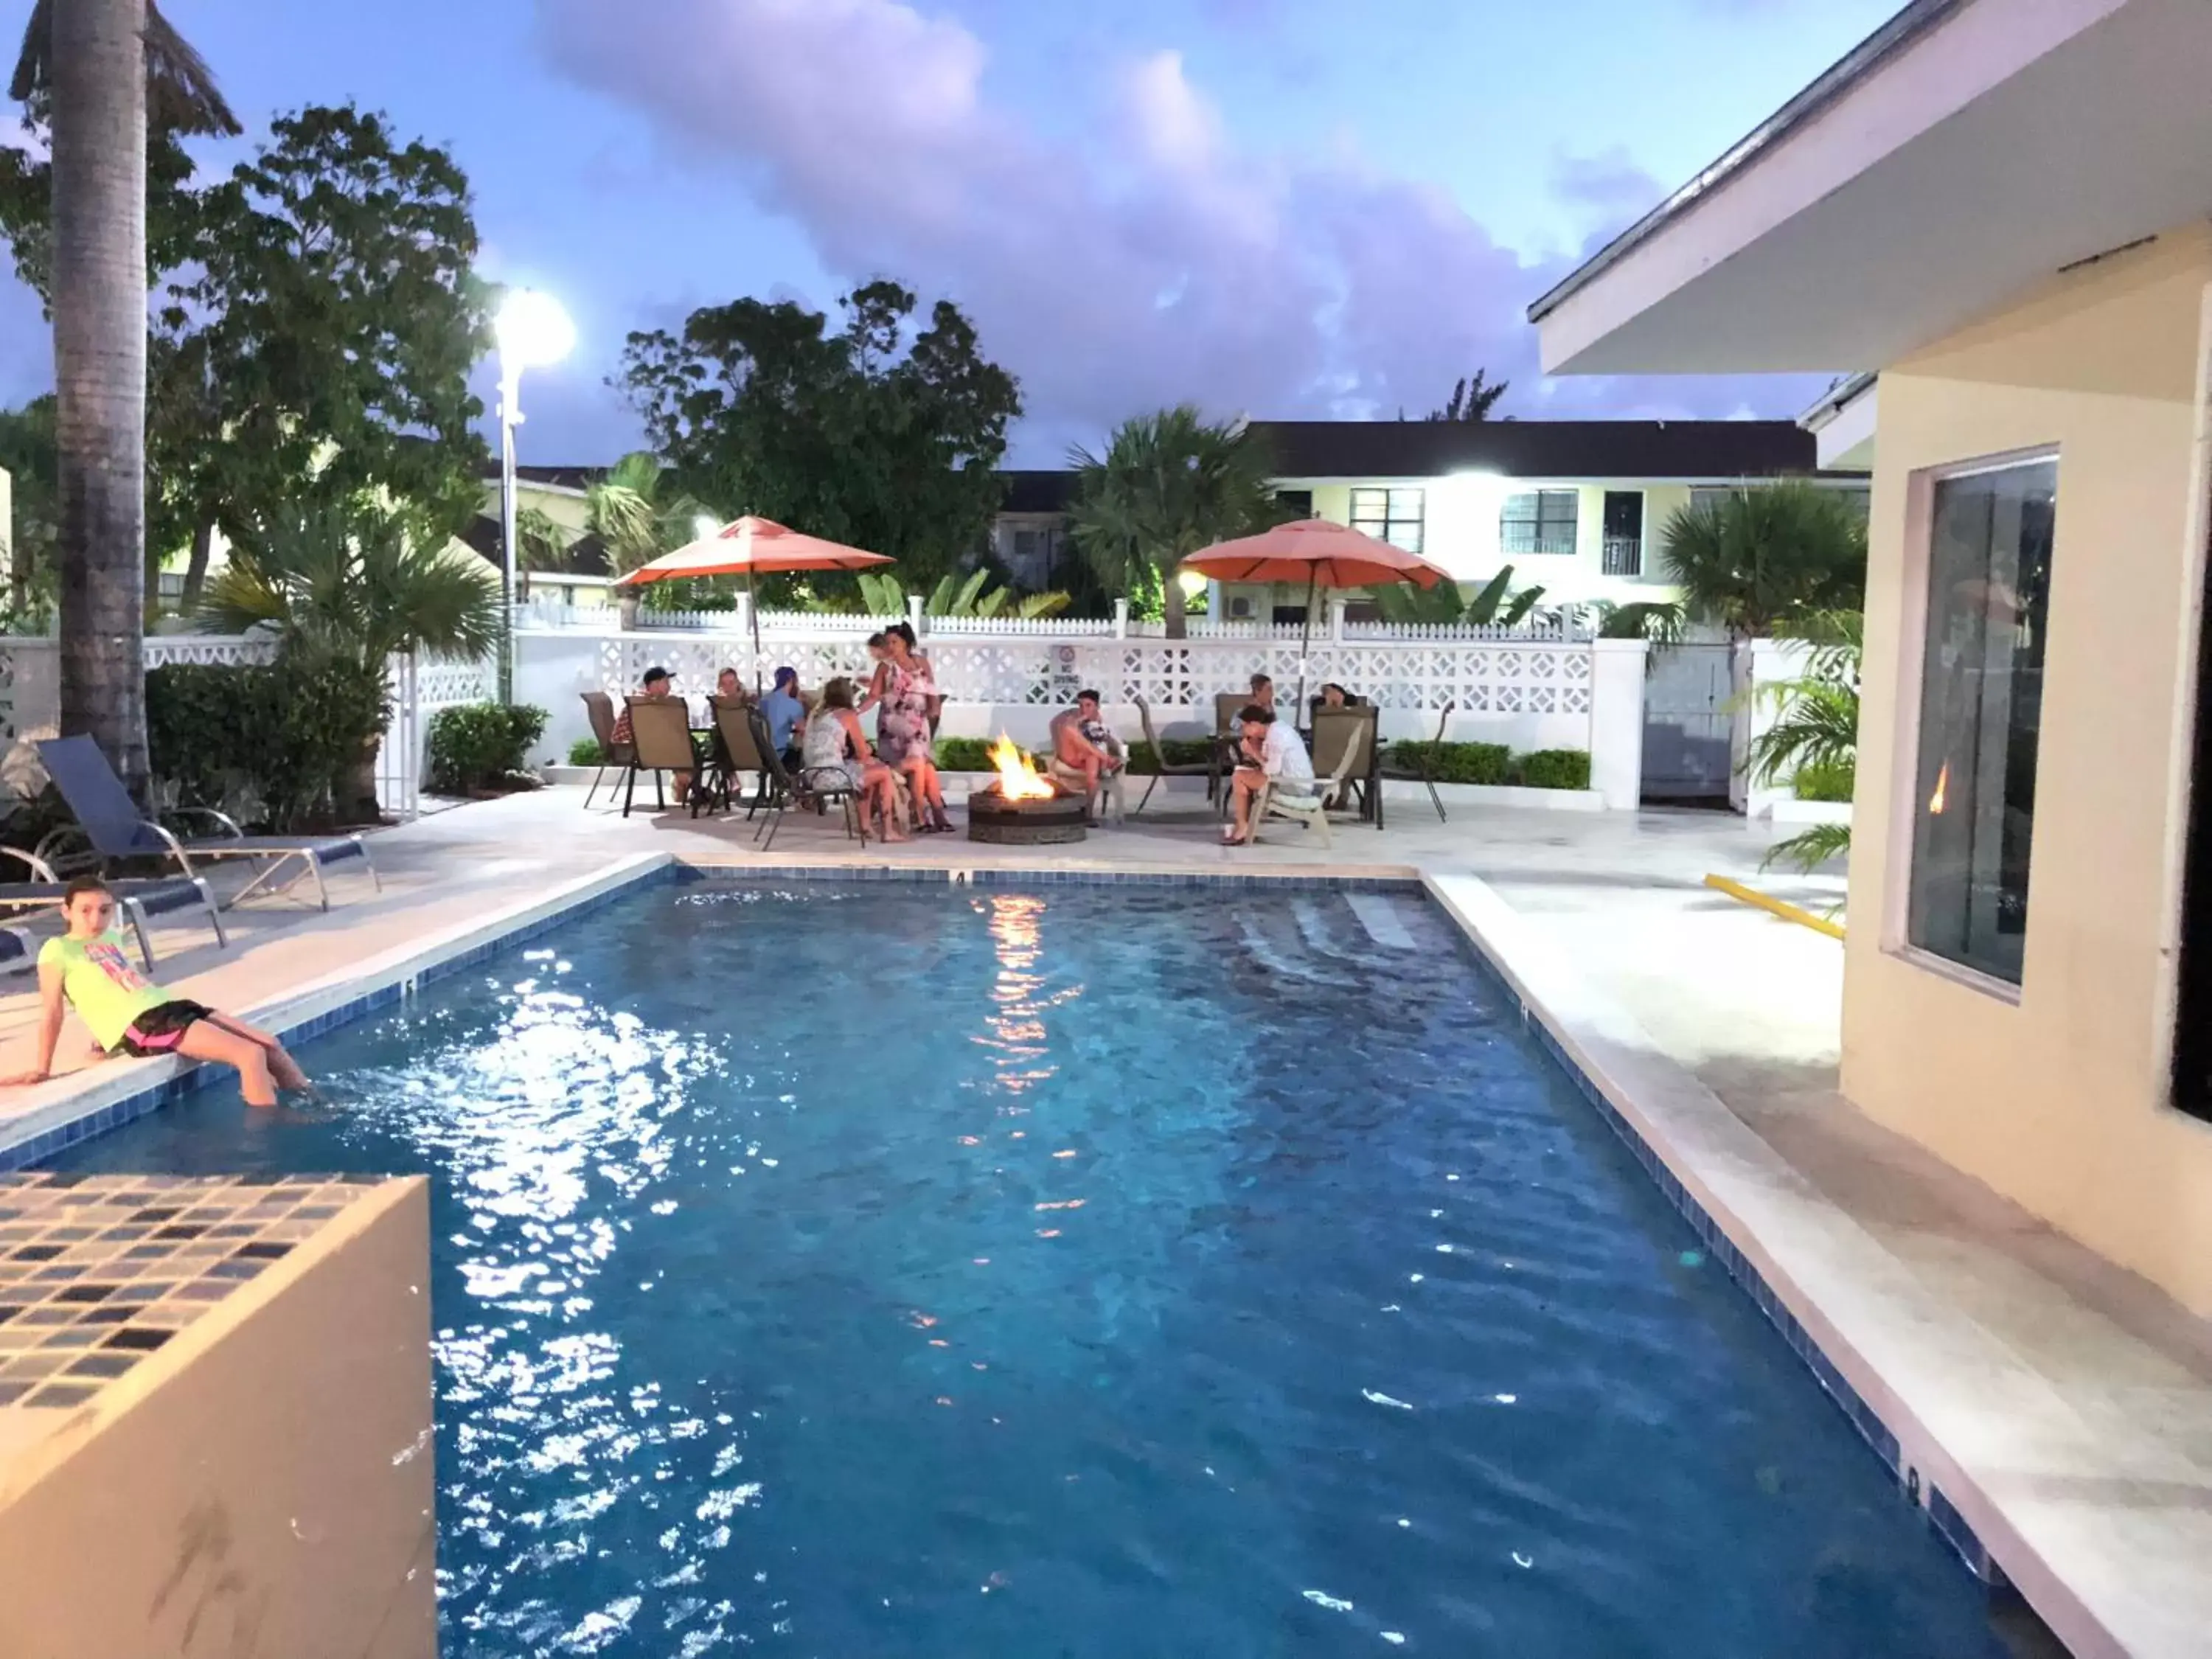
(1747, 1004)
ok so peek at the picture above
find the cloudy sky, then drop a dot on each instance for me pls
(1258, 204)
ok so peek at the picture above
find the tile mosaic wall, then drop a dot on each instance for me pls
(97, 1272)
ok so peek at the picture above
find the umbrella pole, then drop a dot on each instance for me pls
(753, 609)
(1313, 589)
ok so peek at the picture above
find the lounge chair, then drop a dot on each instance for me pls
(661, 734)
(1209, 769)
(814, 786)
(1312, 809)
(138, 900)
(110, 820)
(599, 708)
(1425, 772)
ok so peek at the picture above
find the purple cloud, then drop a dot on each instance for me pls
(1146, 260)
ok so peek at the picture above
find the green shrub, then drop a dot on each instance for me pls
(1828, 780)
(1181, 752)
(283, 746)
(962, 753)
(1553, 769)
(1454, 762)
(479, 746)
(586, 751)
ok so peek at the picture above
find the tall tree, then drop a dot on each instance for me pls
(91, 62)
(883, 434)
(327, 331)
(1168, 484)
(27, 454)
(1471, 398)
(1757, 560)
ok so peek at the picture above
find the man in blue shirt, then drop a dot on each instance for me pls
(785, 713)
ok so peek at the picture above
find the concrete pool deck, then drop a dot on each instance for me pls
(2063, 1405)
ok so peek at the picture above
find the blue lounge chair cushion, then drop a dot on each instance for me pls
(118, 830)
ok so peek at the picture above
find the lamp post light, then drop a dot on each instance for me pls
(532, 332)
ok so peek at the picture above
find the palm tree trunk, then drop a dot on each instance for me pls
(196, 568)
(1171, 609)
(100, 370)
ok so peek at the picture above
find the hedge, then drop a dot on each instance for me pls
(285, 745)
(476, 746)
(586, 751)
(1837, 780)
(1492, 763)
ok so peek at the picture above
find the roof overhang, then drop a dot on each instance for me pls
(1842, 424)
(1966, 151)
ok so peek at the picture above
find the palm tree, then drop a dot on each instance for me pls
(1816, 727)
(99, 64)
(1753, 559)
(1497, 603)
(620, 511)
(1169, 484)
(1472, 399)
(346, 586)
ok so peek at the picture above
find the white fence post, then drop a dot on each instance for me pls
(1616, 747)
(1761, 663)
(914, 618)
(1120, 619)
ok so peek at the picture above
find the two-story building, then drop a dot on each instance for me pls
(1577, 507)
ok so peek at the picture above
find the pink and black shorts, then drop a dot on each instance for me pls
(162, 1028)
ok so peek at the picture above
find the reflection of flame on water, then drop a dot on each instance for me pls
(1942, 788)
(1018, 779)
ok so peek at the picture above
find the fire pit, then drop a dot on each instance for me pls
(1023, 808)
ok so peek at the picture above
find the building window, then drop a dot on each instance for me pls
(1539, 522)
(1291, 504)
(1981, 708)
(1623, 533)
(1392, 515)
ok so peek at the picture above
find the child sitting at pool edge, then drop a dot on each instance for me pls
(86, 968)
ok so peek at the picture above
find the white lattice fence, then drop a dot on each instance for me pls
(417, 690)
(1499, 677)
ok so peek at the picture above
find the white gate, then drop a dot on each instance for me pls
(1687, 722)
(417, 692)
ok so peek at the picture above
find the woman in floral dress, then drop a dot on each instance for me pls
(904, 690)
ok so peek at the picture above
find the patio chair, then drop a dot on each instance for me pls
(1312, 809)
(660, 729)
(599, 709)
(1332, 729)
(740, 752)
(1209, 769)
(1423, 771)
(137, 900)
(814, 786)
(111, 821)
(1112, 797)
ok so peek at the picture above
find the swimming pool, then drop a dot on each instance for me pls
(891, 1269)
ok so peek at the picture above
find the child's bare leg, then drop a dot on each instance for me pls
(281, 1065)
(205, 1040)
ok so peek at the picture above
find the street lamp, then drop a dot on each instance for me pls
(532, 332)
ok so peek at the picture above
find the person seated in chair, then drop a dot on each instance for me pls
(729, 687)
(1333, 695)
(657, 685)
(1263, 692)
(1273, 755)
(787, 712)
(837, 752)
(1085, 753)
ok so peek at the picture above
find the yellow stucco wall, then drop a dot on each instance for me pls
(2058, 1099)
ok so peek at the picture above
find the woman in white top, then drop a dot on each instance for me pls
(1273, 753)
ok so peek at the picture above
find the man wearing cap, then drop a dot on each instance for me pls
(655, 684)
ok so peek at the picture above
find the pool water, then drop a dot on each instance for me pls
(1122, 1271)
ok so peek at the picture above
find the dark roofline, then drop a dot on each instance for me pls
(1893, 37)
(1627, 450)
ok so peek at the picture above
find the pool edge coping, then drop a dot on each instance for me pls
(1720, 1175)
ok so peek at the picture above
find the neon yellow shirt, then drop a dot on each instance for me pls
(101, 985)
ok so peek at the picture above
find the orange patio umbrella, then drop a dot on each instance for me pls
(753, 546)
(1319, 553)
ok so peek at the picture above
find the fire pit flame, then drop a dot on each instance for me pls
(1018, 779)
